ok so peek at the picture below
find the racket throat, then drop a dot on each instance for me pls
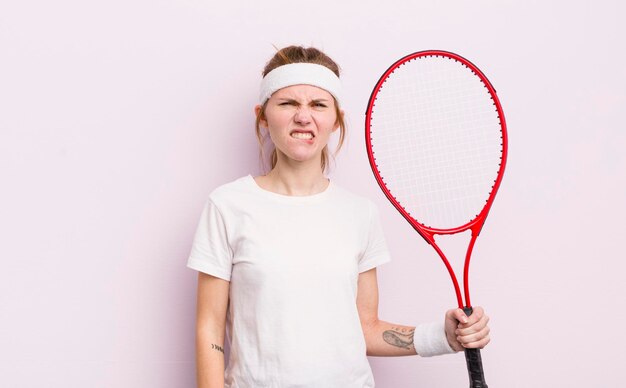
(455, 282)
(468, 256)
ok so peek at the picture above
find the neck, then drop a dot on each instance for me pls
(295, 179)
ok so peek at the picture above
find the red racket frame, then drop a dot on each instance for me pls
(426, 232)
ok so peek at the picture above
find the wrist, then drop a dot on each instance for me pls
(430, 339)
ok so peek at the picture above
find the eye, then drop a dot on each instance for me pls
(286, 103)
(319, 105)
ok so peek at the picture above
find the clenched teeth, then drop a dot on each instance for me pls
(302, 135)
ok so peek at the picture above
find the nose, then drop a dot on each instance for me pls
(302, 116)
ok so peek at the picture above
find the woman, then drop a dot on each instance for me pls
(287, 261)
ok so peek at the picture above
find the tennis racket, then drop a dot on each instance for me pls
(437, 144)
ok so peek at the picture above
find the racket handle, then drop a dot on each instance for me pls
(474, 362)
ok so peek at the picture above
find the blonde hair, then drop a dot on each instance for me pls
(300, 54)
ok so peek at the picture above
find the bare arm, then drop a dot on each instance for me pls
(388, 339)
(212, 304)
(382, 338)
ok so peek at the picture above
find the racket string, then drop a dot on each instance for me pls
(436, 138)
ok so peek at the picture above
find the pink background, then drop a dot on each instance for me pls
(118, 118)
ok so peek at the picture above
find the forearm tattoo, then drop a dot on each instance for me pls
(402, 338)
(217, 347)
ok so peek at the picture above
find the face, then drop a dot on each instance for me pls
(300, 120)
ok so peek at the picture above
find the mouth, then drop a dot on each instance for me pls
(302, 135)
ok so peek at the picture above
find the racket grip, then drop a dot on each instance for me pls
(474, 362)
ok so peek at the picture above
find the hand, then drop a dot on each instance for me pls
(467, 332)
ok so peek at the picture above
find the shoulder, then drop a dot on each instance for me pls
(354, 201)
(232, 192)
(234, 186)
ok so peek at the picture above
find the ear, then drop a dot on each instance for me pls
(341, 112)
(257, 112)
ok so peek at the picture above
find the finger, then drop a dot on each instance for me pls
(460, 316)
(465, 329)
(478, 344)
(477, 314)
(474, 337)
(479, 311)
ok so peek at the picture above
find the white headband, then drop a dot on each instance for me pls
(300, 74)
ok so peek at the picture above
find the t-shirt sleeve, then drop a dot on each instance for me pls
(211, 253)
(376, 251)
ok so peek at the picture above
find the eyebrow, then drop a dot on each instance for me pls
(294, 100)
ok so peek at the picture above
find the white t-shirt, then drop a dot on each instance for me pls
(293, 265)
